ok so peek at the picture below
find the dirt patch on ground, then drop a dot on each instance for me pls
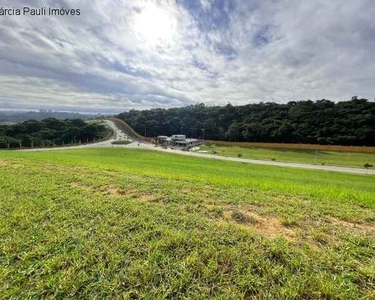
(354, 227)
(113, 191)
(268, 226)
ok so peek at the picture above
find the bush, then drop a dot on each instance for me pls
(367, 165)
(239, 155)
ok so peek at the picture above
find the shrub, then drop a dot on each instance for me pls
(367, 165)
(239, 155)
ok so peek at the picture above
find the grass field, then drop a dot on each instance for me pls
(132, 224)
(332, 158)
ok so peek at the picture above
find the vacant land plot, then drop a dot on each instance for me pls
(332, 158)
(115, 223)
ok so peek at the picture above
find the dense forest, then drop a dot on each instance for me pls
(49, 132)
(315, 122)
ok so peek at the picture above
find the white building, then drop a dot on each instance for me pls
(177, 140)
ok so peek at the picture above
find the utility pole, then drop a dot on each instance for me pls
(203, 130)
(145, 131)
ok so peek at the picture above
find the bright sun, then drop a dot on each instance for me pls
(155, 25)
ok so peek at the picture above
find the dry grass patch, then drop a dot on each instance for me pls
(82, 186)
(147, 198)
(11, 164)
(113, 191)
(267, 226)
(353, 227)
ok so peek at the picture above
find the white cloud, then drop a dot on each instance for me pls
(120, 55)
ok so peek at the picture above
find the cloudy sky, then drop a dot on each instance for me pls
(123, 54)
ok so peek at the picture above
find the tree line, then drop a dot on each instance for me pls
(50, 132)
(314, 122)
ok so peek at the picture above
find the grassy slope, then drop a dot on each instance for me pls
(141, 224)
(333, 158)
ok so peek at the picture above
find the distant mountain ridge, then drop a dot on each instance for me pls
(19, 116)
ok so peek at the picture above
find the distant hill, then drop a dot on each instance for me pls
(308, 122)
(19, 116)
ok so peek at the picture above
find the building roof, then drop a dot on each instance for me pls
(186, 141)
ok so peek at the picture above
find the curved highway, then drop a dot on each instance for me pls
(119, 135)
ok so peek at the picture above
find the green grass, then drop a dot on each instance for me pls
(333, 158)
(123, 223)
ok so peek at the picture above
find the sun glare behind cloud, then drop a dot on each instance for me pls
(154, 25)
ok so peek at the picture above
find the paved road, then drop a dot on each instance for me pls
(120, 135)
